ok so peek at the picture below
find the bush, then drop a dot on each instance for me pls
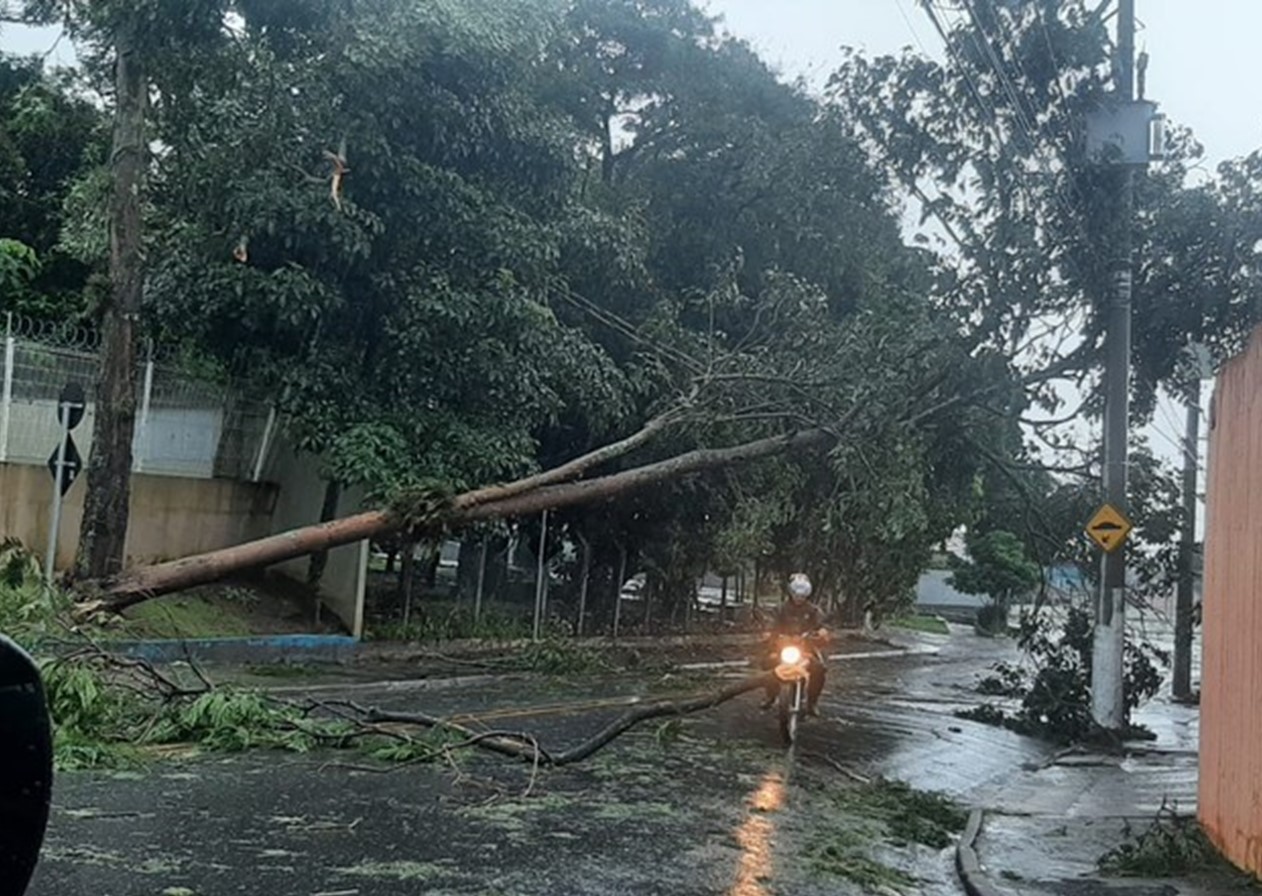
(28, 606)
(1056, 699)
(992, 619)
(433, 624)
(1173, 845)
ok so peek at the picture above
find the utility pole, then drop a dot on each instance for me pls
(1181, 685)
(1108, 706)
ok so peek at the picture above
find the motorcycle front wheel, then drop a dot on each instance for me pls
(790, 712)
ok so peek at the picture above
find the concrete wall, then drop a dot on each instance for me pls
(170, 517)
(173, 517)
(1230, 793)
(299, 503)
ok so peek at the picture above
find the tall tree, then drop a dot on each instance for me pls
(998, 568)
(130, 39)
(103, 532)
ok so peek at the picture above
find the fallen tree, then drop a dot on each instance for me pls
(431, 512)
(428, 513)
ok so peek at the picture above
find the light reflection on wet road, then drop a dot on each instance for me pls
(756, 837)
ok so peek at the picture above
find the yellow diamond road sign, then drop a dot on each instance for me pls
(1109, 528)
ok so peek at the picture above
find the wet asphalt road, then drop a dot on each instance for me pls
(713, 806)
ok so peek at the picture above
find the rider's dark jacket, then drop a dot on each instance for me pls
(797, 618)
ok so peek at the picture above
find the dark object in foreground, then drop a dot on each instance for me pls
(26, 767)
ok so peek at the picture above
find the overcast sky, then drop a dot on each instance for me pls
(1204, 66)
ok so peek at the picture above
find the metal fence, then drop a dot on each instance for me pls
(185, 425)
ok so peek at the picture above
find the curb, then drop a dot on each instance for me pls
(397, 686)
(405, 650)
(250, 649)
(967, 865)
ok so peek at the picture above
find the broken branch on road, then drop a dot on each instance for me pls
(526, 746)
(109, 706)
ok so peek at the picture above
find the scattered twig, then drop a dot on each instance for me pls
(837, 766)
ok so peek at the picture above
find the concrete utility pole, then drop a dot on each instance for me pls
(1108, 707)
(1181, 685)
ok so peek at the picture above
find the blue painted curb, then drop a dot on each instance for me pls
(258, 649)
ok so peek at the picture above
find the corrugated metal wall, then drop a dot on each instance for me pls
(1230, 797)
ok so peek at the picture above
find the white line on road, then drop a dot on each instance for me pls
(866, 655)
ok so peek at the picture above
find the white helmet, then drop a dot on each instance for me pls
(799, 585)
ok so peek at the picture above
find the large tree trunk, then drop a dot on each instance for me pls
(141, 584)
(103, 533)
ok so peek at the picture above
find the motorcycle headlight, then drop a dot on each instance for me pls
(791, 655)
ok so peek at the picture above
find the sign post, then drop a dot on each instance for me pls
(65, 463)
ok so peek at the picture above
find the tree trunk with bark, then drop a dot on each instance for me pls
(407, 580)
(103, 533)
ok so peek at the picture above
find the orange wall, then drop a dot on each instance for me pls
(1230, 797)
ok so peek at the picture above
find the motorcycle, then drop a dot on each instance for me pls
(793, 671)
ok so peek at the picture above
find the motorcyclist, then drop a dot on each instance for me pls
(797, 618)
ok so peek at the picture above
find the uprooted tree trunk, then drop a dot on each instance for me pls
(520, 498)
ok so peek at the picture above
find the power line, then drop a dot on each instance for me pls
(1010, 40)
(981, 41)
(1028, 124)
(626, 328)
(1026, 129)
(1177, 443)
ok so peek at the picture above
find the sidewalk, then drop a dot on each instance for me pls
(1045, 829)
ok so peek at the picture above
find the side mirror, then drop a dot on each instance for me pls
(26, 766)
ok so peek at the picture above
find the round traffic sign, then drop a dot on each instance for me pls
(72, 398)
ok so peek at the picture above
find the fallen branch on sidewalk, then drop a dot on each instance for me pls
(1172, 845)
